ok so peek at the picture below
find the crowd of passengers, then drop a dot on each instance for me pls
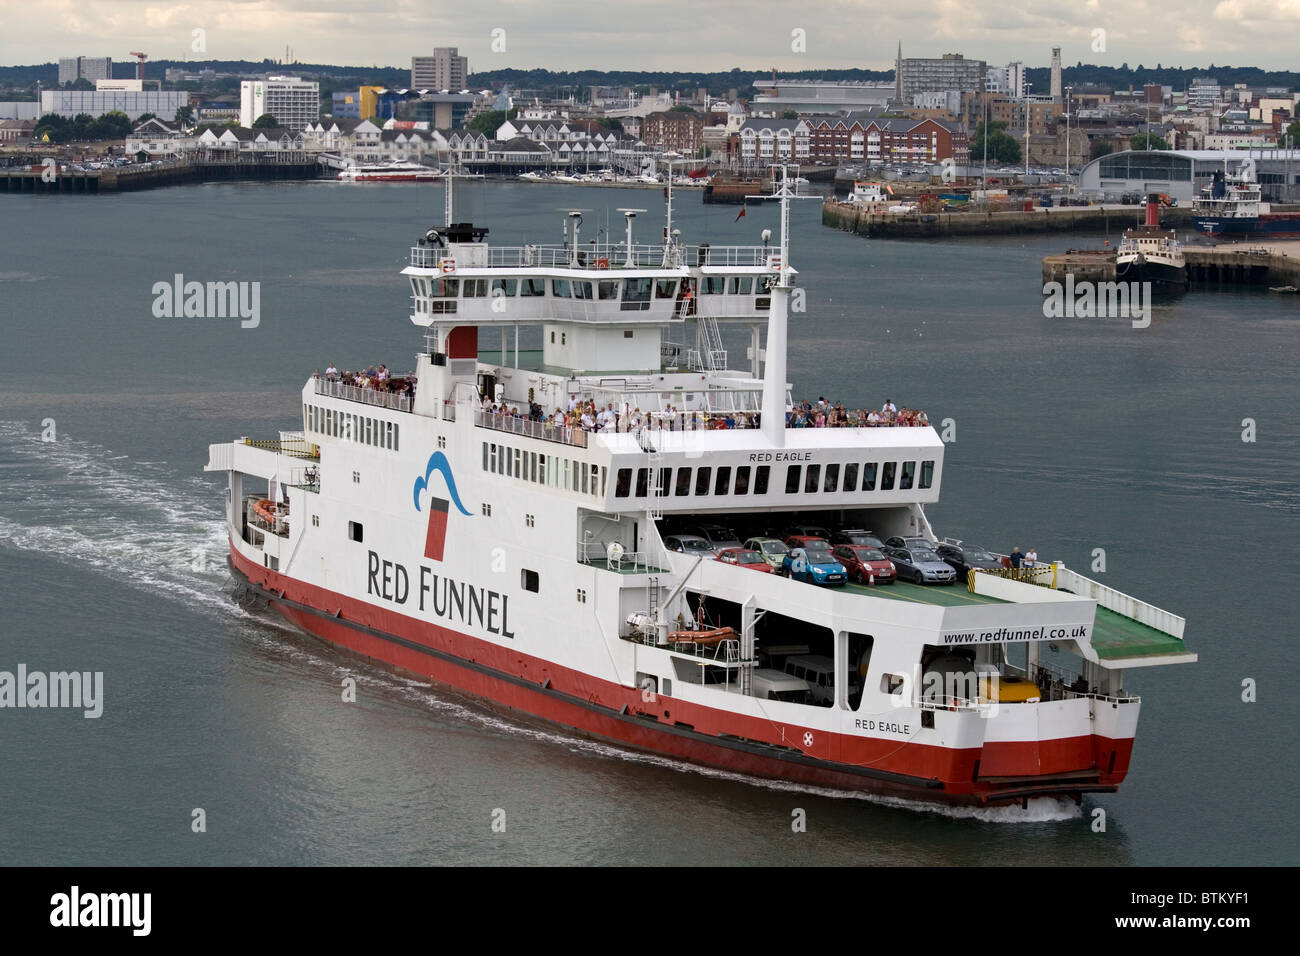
(586, 415)
(379, 379)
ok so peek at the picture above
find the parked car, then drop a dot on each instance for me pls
(806, 540)
(773, 550)
(771, 684)
(819, 672)
(909, 542)
(855, 536)
(717, 535)
(691, 544)
(964, 557)
(921, 566)
(806, 531)
(744, 558)
(862, 564)
(815, 565)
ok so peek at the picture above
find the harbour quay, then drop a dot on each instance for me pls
(882, 224)
(70, 178)
(1274, 265)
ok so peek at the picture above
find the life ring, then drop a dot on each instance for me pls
(447, 265)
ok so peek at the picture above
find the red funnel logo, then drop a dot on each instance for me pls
(436, 537)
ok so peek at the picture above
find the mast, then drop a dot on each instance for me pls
(774, 365)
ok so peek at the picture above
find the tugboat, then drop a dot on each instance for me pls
(446, 523)
(1151, 254)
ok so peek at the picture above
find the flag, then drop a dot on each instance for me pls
(741, 213)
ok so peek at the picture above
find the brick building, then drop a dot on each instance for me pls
(680, 131)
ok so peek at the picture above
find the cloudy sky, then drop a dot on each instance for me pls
(661, 34)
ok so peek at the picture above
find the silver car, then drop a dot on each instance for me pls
(921, 566)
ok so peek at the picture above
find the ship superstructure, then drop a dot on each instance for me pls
(452, 524)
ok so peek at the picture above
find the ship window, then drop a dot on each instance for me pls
(355, 531)
(763, 303)
(636, 294)
(487, 510)
(665, 481)
(642, 482)
(869, 476)
(683, 482)
(564, 338)
(740, 285)
(541, 469)
(909, 472)
(505, 287)
(560, 288)
(813, 479)
(742, 480)
(529, 580)
(552, 336)
(713, 285)
(851, 477)
(602, 480)
(927, 474)
(665, 288)
(627, 333)
(485, 456)
(582, 290)
(702, 478)
(722, 485)
(475, 288)
(532, 286)
(760, 479)
(607, 288)
(832, 478)
(887, 478)
(792, 473)
(445, 288)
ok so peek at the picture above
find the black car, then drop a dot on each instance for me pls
(855, 536)
(964, 557)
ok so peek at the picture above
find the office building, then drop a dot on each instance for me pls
(293, 102)
(445, 70)
(73, 68)
(952, 71)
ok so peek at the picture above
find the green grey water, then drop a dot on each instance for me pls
(1071, 435)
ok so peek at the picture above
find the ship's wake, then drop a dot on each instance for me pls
(137, 522)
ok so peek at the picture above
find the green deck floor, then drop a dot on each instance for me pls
(938, 595)
(1116, 637)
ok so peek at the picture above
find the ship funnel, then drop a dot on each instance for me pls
(1153, 209)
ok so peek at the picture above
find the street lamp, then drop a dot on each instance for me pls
(1028, 86)
(1067, 131)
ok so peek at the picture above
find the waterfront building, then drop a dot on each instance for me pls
(1182, 174)
(98, 102)
(683, 132)
(293, 101)
(775, 97)
(952, 71)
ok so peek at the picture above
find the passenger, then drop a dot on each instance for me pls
(332, 373)
(1016, 557)
(889, 408)
(1031, 557)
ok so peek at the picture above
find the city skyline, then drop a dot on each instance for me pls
(641, 35)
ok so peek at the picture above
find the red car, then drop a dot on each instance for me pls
(803, 540)
(862, 561)
(745, 558)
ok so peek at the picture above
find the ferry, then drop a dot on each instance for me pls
(1151, 254)
(390, 173)
(450, 524)
(1231, 207)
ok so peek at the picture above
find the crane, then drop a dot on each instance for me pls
(139, 69)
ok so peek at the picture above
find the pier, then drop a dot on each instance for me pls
(62, 178)
(879, 223)
(1277, 264)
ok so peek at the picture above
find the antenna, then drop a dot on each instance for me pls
(628, 216)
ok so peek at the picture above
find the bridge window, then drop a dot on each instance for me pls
(636, 294)
(722, 485)
(742, 480)
(792, 473)
(607, 288)
(851, 477)
(506, 287)
(642, 482)
(740, 285)
(869, 476)
(713, 285)
(909, 472)
(813, 479)
(927, 474)
(887, 479)
(665, 288)
(475, 288)
(702, 479)
(760, 479)
(560, 288)
(532, 286)
(683, 482)
(582, 290)
(445, 288)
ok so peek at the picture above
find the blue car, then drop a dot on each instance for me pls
(814, 565)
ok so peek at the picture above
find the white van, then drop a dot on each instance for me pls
(772, 684)
(819, 671)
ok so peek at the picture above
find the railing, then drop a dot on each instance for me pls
(596, 256)
(1122, 604)
(563, 434)
(294, 447)
(367, 396)
(448, 412)
(629, 562)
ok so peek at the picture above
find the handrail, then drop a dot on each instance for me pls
(367, 396)
(564, 434)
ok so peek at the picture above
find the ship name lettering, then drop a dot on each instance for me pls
(781, 456)
(884, 726)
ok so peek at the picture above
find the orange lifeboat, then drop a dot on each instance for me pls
(708, 638)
